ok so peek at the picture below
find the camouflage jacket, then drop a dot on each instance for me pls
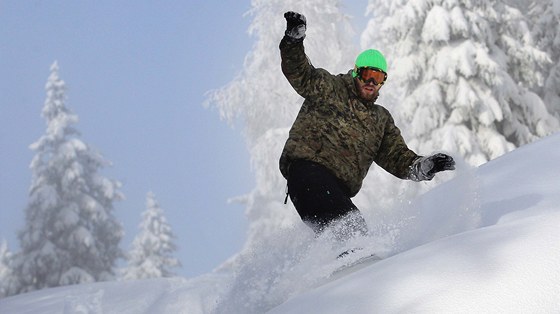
(338, 130)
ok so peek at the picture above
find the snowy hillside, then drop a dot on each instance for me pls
(485, 242)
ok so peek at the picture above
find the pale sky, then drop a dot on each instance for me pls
(137, 74)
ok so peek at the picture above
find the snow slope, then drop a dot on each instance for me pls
(485, 242)
(508, 264)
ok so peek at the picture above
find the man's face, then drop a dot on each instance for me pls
(367, 91)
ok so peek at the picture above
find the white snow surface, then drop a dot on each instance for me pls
(487, 241)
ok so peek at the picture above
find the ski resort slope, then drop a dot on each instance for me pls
(487, 241)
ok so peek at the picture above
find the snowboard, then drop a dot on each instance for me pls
(354, 265)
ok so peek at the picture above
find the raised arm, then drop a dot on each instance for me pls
(307, 80)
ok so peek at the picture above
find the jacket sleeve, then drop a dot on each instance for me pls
(306, 80)
(394, 155)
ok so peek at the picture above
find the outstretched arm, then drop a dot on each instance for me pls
(396, 158)
(394, 155)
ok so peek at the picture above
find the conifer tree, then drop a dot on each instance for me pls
(460, 75)
(6, 278)
(152, 250)
(545, 17)
(268, 105)
(70, 235)
(464, 70)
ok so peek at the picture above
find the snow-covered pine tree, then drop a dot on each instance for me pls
(463, 69)
(70, 235)
(6, 278)
(152, 250)
(545, 21)
(268, 105)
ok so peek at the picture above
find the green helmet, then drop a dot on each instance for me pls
(370, 58)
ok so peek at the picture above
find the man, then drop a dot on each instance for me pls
(337, 135)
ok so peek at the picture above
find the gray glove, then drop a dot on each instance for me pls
(425, 168)
(296, 26)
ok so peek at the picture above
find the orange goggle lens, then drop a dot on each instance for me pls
(374, 75)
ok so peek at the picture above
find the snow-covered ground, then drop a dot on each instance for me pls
(487, 241)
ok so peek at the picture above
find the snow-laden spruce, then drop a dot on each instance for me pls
(544, 17)
(460, 80)
(461, 74)
(5, 269)
(264, 100)
(152, 250)
(70, 235)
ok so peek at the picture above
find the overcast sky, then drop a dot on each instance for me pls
(137, 73)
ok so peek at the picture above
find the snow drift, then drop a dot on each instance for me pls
(484, 242)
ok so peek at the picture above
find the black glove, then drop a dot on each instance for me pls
(425, 168)
(296, 26)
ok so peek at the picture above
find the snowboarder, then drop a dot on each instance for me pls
(339, 132)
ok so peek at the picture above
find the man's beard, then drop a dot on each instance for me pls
(366, 96)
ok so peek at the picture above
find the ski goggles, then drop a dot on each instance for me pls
(369, 74)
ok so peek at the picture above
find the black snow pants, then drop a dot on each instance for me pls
(322, 200)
